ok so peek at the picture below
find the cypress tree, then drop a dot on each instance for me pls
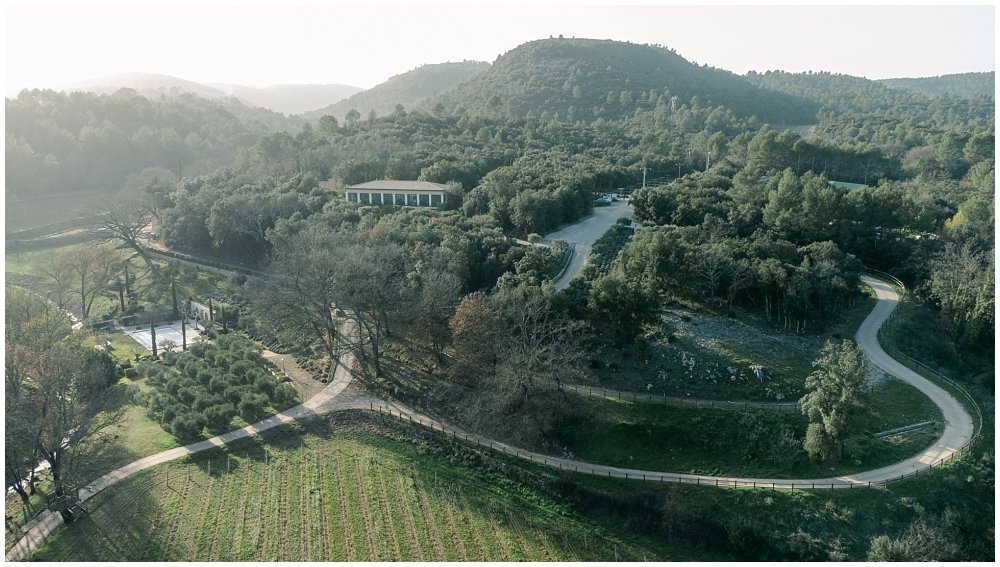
(121, 296)
(184, 333)
(152, 333)
(173, 293)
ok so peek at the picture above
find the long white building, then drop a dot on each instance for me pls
(402, 193)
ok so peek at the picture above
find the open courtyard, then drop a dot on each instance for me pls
(170, 331)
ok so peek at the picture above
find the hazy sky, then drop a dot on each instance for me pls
(365, 45)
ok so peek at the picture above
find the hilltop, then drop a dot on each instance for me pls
(586, 79)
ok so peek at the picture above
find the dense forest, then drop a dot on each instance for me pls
(582, 79)
(964, 85)
(61, 143)
(527, 143)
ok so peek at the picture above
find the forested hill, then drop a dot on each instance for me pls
(407, 89)
(84, 142)
(965, 85)
(846, 93)
(586, 79)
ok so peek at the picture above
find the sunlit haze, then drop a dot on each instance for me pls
(363, 46)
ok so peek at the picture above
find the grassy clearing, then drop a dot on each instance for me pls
(819, 526)
(134, 437)
(742, 442)
(123, 347)
(724, 350)
(919, 333)
(334, 495)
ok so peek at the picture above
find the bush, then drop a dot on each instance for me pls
(884, 548)
(187, 425)
(252, 405)
(219, 415)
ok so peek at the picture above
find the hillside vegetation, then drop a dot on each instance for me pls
(965, 85)
(407, 89)
(584, 79)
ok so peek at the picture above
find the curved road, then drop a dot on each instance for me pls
(957, 433)
(582, 235)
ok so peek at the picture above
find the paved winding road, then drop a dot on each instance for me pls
(582, 235)
(957, 433)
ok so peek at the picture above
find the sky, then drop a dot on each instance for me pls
(54, 46)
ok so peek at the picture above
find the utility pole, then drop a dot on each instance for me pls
(644, 170)
(708, 159)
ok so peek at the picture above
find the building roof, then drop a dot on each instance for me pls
(393, 185)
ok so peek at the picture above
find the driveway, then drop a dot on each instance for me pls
(582, 235)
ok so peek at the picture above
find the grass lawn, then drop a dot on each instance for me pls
(707, 355)
(341, 489)
(123, 347)
(741, 442)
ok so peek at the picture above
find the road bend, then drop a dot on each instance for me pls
(958, 432)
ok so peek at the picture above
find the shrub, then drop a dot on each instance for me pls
(187, 425)
(219, 415)
(252, 405)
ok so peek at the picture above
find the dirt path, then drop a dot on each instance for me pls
(337, 396)
(598, 392)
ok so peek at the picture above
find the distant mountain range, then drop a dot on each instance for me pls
(286, 99)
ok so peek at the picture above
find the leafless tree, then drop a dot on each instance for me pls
(70, 401)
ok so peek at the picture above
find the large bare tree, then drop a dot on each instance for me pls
(65, 391)
(124, 224)
(300, 295)
(516, 350)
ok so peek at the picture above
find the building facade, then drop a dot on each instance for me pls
(403, 193)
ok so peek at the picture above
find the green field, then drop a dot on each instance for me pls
(325, 494)
(741, 442)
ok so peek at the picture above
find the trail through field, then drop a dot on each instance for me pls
(957, 433)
